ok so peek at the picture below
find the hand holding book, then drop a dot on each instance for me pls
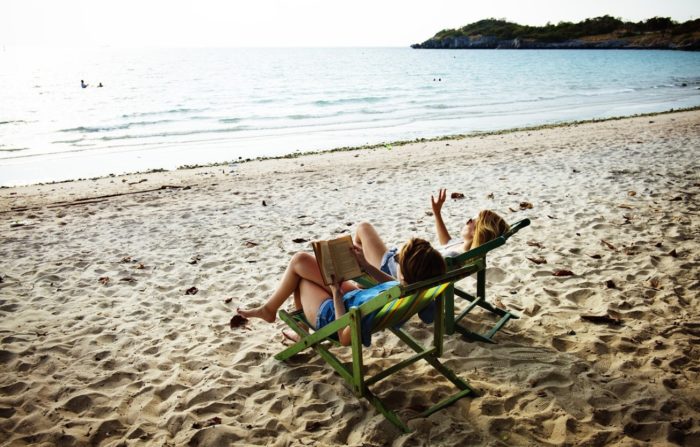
(336, 258)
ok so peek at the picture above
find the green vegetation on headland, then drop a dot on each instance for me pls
(597, 33)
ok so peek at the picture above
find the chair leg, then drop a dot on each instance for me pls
(481, 284)
(497, 327)
(481, 302)
(445, 403)
(358, 382)
(389, 414)
(449, 300)
(450, 375)
(466, 333)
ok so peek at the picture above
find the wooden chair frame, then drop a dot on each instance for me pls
(452, 322)
(355, 374)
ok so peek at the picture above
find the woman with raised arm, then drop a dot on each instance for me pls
(477, 230)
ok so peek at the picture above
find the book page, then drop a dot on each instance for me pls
(324, 259)
(344, 262)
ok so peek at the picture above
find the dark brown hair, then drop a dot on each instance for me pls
(418, 261)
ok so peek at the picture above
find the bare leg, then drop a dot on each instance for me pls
(373, 247)
(302, 266)
(311, 298)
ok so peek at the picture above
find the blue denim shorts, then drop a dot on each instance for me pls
(389, 264)
(325, 314)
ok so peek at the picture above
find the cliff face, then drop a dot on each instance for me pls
(490, 42)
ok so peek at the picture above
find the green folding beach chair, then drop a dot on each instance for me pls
(395, 306)
(452, 323)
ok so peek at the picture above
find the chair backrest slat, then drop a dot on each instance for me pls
(416, 297)
(401, 309)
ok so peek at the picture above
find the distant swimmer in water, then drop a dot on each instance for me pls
(83, 84)
(100, 85)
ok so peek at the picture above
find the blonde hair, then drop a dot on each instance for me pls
(488, 226)
(418, 261)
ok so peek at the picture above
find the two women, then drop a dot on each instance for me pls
(415, 261)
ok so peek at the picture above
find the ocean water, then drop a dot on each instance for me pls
(171, 107)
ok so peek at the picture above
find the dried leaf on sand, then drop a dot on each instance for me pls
(525, 205)
(457, 195)
(562, 272)
(538, 261)
(237, 321)
(191, 291)
(607, 244)
(299, 240)
(104, 280)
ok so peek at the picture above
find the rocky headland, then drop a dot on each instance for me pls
(598, 33)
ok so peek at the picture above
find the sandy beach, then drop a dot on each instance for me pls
(116, 296)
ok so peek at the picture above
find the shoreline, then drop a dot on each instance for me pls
(116, 296)
(398, 143)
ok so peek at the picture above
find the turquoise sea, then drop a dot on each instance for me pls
(171, 107)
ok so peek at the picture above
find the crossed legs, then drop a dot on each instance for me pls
(302, 279)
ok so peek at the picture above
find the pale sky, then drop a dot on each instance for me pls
(289, 23)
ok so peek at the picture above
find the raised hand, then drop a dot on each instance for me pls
(437, 204)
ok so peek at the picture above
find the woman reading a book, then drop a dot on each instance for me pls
(417, 259)
(477, 230)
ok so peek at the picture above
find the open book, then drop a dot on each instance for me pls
(334, 257)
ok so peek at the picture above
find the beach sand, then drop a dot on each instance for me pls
(101, 344)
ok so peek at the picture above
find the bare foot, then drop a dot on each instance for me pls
(291, 335)
(258, 312)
